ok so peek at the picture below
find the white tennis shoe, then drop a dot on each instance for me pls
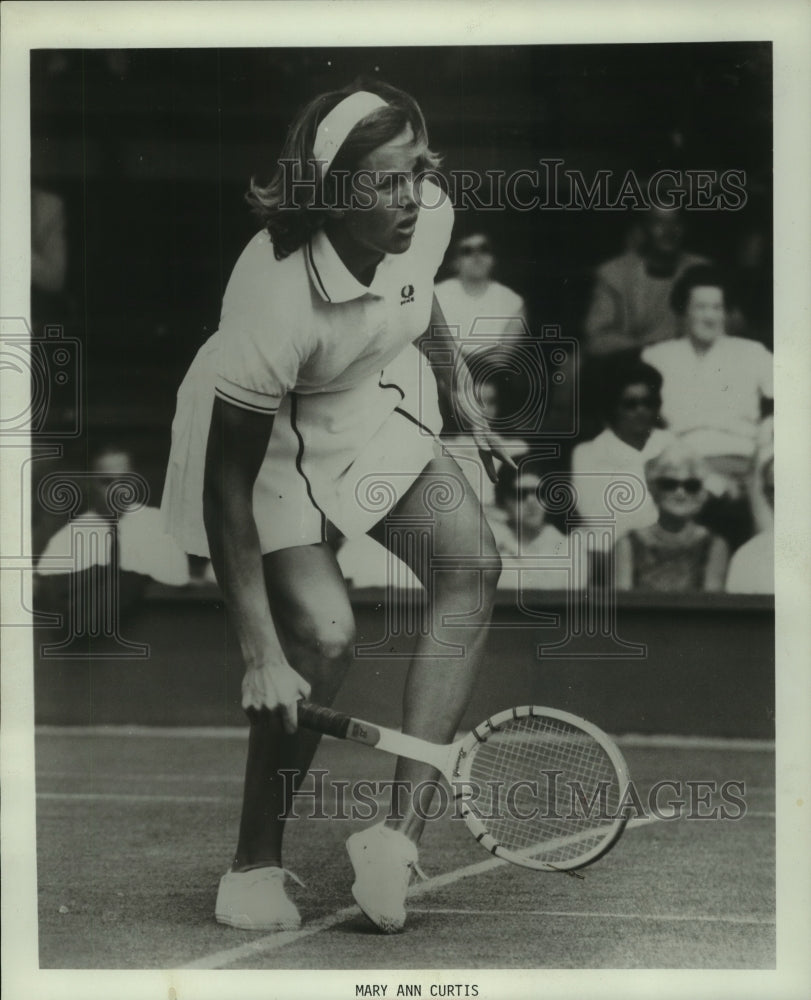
(383, 860)
(256, 901)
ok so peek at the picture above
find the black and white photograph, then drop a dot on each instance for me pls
(404, 442)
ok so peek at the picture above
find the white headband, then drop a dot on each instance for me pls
(337, 125)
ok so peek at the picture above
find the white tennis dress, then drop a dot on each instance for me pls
(355, 402)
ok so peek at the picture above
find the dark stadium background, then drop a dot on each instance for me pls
(152, 151)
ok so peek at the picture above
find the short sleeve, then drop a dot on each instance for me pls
(263, 330)
(650, 356)
(507, 302)
(515, 304)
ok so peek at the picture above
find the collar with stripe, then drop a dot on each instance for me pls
(330, 276)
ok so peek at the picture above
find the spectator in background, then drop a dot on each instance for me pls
(49, 258)
(472, 301)
(630, 304)
(715, 393)
(630, 403)
(522, 531)
(144, 551)
(675, 555)
(751, 570)
(49, 255)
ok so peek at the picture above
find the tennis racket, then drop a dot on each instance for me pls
(537, 787)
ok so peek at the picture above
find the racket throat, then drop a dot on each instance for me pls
(402, 745)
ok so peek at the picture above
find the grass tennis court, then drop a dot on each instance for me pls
(135, 828)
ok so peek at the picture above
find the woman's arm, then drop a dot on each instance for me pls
(490, 444)
(237, 444)
(715, 573)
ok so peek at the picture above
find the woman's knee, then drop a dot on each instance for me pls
(477, 575)
(329, 637)
(310, 605)
(335, 640)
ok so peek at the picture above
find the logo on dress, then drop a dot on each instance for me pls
(406, 294)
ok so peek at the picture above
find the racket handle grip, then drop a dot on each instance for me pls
(323, 720)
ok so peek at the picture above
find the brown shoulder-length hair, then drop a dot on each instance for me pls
(295, 203)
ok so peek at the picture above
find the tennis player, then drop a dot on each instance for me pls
(313, 404)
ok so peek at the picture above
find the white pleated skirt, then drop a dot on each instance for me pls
(344, 457)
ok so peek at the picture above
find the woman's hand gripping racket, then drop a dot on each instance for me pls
(537, 787)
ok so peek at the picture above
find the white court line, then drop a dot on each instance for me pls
(163, 732)
(133, 797)
(703, 918)
(124, 797)
(733, 743)
(236, 779)
(270, 942)
(666, 741)
(275, 941)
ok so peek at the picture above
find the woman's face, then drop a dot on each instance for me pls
(678, 491)
(636, 411)
(384, 212)
(705, 315)
(474, 258)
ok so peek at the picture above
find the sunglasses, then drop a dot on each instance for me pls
(638, 404)
(691, 486)
(469, 249)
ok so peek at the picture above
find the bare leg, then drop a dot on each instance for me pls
(438, 687)
(315, 624)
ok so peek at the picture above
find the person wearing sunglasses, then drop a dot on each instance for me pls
(676, 554)
(523, 532)
(487, 319)
(471, 300)
(630, 398)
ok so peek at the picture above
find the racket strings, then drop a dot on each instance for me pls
(544, 787)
